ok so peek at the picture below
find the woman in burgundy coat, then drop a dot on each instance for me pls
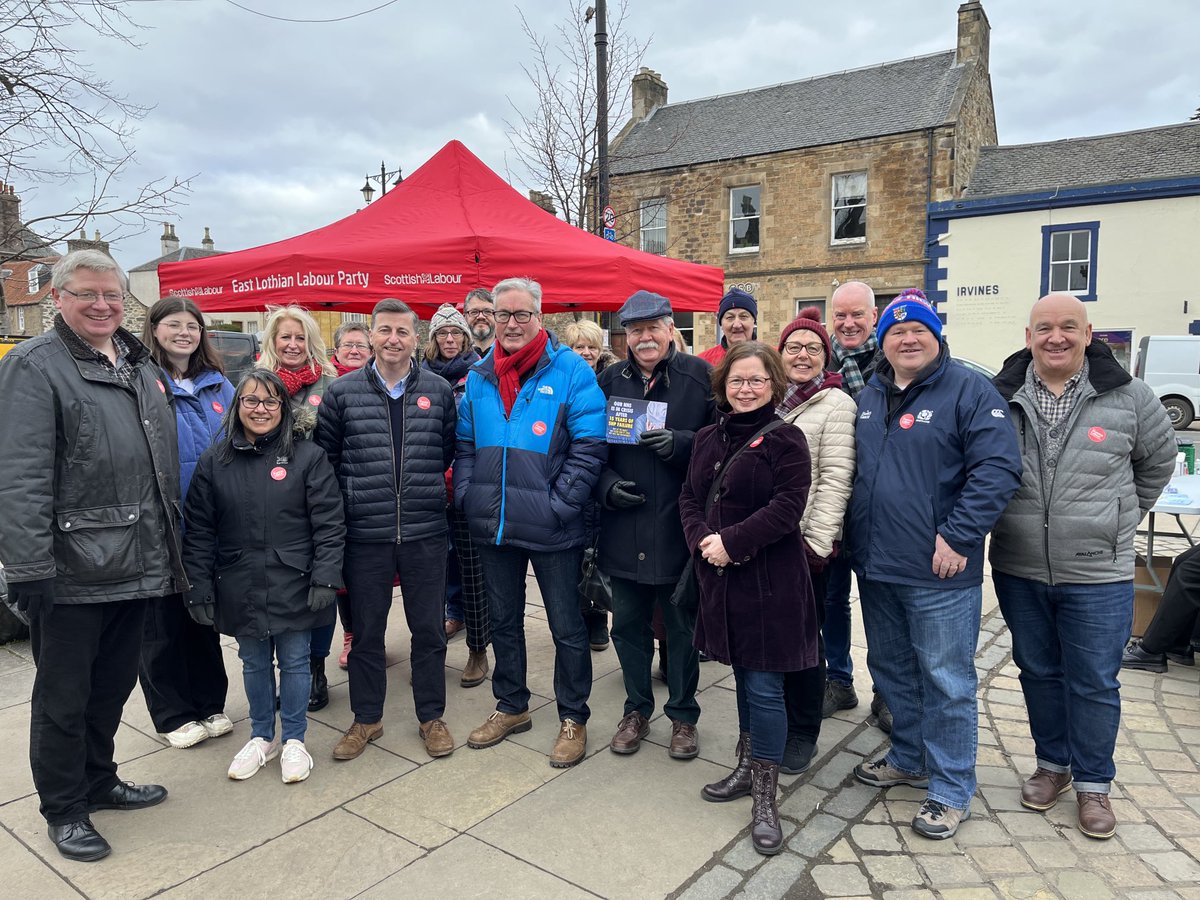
(756, 608)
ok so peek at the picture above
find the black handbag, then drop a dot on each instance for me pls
(595, 590)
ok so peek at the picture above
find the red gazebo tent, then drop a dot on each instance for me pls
(451, 226)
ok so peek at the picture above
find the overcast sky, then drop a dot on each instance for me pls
(283, 120)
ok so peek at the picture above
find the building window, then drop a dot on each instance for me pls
(33, 279)
(21, 321)
(848, 222)
(743, 219)
(685, 324)
(1069, 259)
(654, 225)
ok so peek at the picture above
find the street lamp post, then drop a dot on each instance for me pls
(368, 192)
(600, 13)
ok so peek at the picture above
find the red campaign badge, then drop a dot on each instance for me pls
(423, 402)
(906, 421)
(162, 387)
(539, 428)
(279, 473)
(758, 440)
(1097, 434)
(217, 407)
(314, 400)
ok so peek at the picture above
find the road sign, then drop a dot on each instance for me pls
(610, 234)
(610, 218)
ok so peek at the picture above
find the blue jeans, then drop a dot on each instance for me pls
(836, 629)
(762, 712)
(921, 653)
(1067, 640)
(557, 572)
(258, 675)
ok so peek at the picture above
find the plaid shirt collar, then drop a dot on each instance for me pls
(127, 359)
(1054, 409)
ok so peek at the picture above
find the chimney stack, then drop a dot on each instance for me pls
(974, 34)
(170, 243)
(207, 243)
(82, 243)
(544, 200)
(11, 226)
(649, 93)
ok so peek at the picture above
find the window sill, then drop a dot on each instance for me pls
(848, 243)
(745, 251)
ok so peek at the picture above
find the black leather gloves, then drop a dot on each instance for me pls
(624, 494)
(660, 440)
(320, 597)
(32, 598)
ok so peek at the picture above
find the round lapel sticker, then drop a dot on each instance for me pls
(217, 407)
(758, 440)
(314, 400)
(162, 387)
(906, 421)
(423, 402)
(1097, 434)
(279, 473)
(539, 428)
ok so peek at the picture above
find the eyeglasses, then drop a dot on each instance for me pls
(523, 316)
(270, 404)
(481, 314)
(346, 346)
(176, 327)
(756, 383)
(446, 333)
(91, 296)
(813, 349)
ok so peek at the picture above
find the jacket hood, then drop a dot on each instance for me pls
(1104, 372)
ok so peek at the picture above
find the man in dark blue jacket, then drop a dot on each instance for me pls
(937, 464)
(389, 431)
(530, 447)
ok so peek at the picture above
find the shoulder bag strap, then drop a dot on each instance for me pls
(716, 485)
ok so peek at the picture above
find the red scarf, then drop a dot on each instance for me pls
(341, 370)
(301, 378)
(511, 366)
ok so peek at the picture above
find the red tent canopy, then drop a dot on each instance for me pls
(451, 226)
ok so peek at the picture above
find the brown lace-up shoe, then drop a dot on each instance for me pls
(684, 742)
(630, 733)
(497, 727)
(355, 740)
(1043, 787)
(570, 745)
(476, 670)
(1096, 818)
(437, 738)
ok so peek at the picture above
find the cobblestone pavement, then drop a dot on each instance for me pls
(502, 823)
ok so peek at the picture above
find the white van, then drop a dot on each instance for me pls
(1170, 364)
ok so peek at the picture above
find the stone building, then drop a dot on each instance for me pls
(795, 188)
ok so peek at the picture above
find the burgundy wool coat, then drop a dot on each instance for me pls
(758, 613)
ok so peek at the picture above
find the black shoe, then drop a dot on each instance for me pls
(127, 795)
(79, 841)
(598, 631)
(318, 694)
(797, 755)
(1183, 657)
(838, 695)
(704, 657)
(883, 715)
(1135, 657)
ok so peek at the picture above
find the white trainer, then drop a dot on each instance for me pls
(295, 762)
(217, 725)
(256, 754)
(187, 735)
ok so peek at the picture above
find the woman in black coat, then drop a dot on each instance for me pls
(263, 550)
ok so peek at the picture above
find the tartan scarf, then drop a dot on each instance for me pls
(848, 360)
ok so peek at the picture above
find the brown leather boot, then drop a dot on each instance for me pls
(355, 740)
(570, 746)
(1043, 787)
(631, 731)
(1096, 818)
(497, 727)
(736, 783)
(436, 736)
(765, 832)
(477, 668)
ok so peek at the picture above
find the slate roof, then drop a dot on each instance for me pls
(1170, 151)
(180, 255)
(889, 98)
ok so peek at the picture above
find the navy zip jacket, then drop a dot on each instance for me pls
(524, 480)
(944, 461)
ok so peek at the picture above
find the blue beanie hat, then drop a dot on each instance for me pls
(737, 299)
(910, 306)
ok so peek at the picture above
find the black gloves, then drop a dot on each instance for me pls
(203, 613)
(660, 440)
(320, 597)
(624, 495)
(32, 598)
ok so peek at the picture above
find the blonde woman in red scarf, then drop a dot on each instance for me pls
(294, 349)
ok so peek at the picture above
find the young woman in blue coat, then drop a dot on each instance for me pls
(181, 669)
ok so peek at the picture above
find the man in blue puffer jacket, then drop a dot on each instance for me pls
(530, 449)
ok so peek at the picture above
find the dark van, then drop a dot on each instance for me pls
(237, 351)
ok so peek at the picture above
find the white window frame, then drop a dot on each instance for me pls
(735, 218)
(33, 279)
(21, 321)
(834, 207)
(654, 209)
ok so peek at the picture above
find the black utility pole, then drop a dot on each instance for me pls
(601, 114)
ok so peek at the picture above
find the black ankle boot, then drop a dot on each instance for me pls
(736, 783)
(765, 831)
(318, 694)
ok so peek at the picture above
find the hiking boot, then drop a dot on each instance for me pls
(295, 762)
(1135, 657)
(189, 734)
(344, 659)
(737, 783)
(1096, 818)
(252, 757)
(498, 726)
(631, 731)
(797, 755)
(356, 738)
(476, 670)
(881, 774)
(937, 821)
(883, 715)
(838, 695)
(765, 831)
(318, 693)
(1043, 787)
(570, 745)
(436, 736)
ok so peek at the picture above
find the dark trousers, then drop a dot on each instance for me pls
(633, 637)
(476, 614)
(804, 691)
(1174, 624)
(87, 663)
(835, 629)
(181, 669)
(369, 570)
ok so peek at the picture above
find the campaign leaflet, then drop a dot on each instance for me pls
(629, 418)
